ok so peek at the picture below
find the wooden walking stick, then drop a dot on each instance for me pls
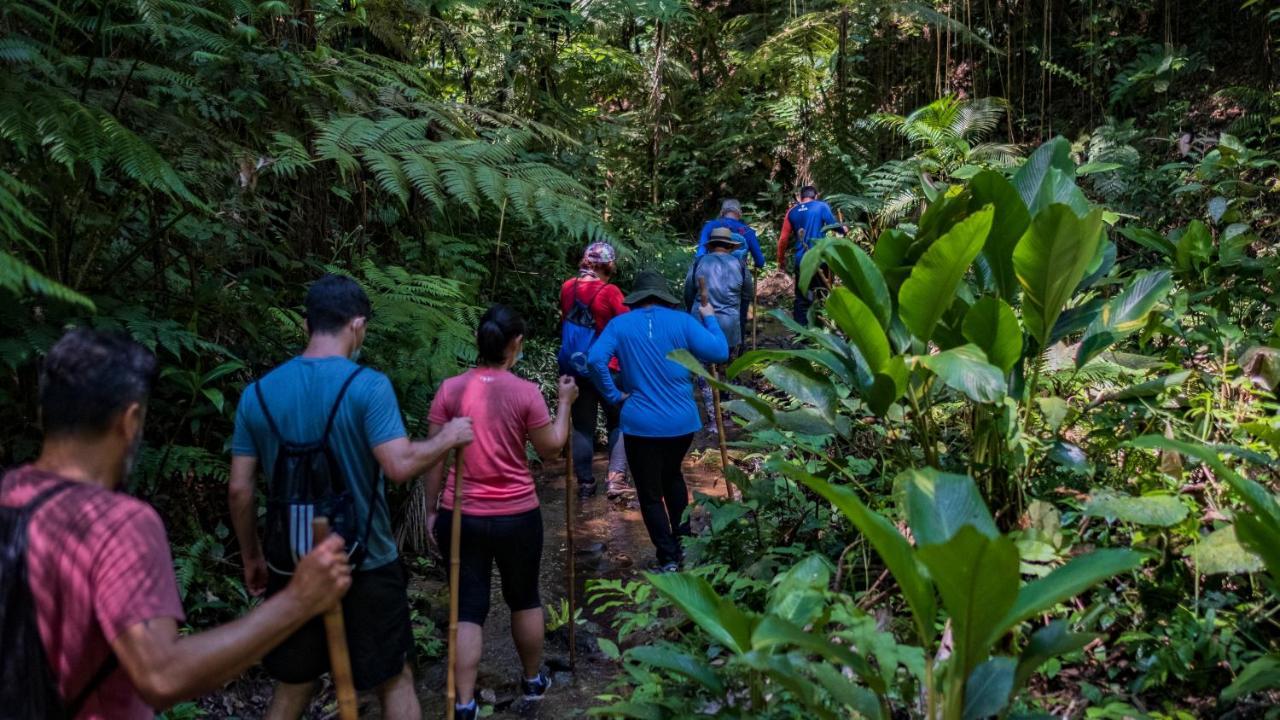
(455, 571)
(569, 496)
(715, 401)
(335, 631)
(755, 309)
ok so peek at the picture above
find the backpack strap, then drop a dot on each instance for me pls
(45, 496)
(271, 422)
(333, 412)
(104, 671)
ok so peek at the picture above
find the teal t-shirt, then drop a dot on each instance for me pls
(299, 395)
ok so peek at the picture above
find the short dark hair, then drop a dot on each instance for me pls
(333, 301)
(808, 191)
(88, 377)
(497, 327)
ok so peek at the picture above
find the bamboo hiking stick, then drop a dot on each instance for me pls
(715, 401)
(335, 631)
(455, 571)
(569, 495)
(755, 309)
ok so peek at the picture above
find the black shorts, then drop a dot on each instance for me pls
(513, 541)
(379, 636)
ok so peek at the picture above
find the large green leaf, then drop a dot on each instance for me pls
(1046, 643)
(1008, 225)
(1153, 510)
(966, 369)
(893, 549)
(855, 269)
(939, 504)
(986, 692)
(1055, 153)
(821, 358)
(846, 693)
(1261, 674)
(799, 594)
(774, 632)
(991, 325)
(977, 578)
(1145, 389)
(860, 326)
(890, 255)
(805, 384)
(1222, 552)
(1050, 260)
(686, 360)
(1194, 246)
(931, 287)
(1068, 581)
(717, 617)
(1124, 314)
(668, 658)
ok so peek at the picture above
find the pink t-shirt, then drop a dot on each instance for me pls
(503, 409)
(98, 563)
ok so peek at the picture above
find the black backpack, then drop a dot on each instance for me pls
(306, 483)
(28, 687)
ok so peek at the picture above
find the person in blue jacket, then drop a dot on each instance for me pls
(731, 217)
(809, 220)
(659, 416)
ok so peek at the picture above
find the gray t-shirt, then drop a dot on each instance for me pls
(729, 289)
(300, 394)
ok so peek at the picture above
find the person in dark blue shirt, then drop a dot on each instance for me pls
(731, 217)
(809, 220)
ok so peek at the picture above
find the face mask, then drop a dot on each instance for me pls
(355, 354)
(130, 460)
(519, 357)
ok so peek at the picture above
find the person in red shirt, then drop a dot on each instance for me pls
(501, 519)
(99, 566)
(592, 287)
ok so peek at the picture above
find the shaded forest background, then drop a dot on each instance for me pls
(180, 170)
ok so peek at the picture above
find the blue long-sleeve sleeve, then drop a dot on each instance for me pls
(598, 358)
(707, 341)
(753, 245)
(702, 239)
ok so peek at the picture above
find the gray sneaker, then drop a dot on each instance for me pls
(534, 689)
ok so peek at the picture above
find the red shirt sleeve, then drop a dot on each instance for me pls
(439, 413)
(608, 306)
(784, 236)
(536, 414)
(132, 572)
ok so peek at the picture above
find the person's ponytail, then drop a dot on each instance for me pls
(499, 325)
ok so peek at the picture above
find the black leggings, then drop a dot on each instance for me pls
(655, 466)
(514, 541)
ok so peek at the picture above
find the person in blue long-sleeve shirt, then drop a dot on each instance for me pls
(809, 219)
(731, 217)
(659, 416)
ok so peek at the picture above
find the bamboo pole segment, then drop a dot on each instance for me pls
(715, 401)
(570, 494)
(335, 631)
(755, 304)
(455, 572)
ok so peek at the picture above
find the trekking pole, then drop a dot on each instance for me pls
(568, 532)
(755, 298)
(715, 401)
(335, 631)
(455, 571)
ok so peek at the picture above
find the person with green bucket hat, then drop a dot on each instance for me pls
(659, 416)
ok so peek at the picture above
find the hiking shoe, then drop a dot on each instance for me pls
(660, 568)
(471, 712)
(534, 689)
(616, 485)
(586, 490)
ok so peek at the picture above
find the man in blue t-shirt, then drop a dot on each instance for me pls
(809, 220)
(368, 440)
(731, 217)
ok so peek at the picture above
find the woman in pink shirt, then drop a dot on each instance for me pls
(501, 520)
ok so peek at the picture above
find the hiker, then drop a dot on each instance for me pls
(588, 301)
(97, 562)
(731, 218)
(501, 517)
(808, 219)
(348, 416)
(659, 416)
(729, 290)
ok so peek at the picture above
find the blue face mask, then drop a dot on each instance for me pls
(519, 357)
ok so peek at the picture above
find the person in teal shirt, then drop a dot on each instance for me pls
(368, 440)
(659, 415)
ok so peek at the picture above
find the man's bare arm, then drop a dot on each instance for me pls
(244, 507)
(167, 667)
(403, 460)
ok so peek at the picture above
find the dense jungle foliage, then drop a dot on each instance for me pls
(1022, 464)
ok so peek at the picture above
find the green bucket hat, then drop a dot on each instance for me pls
(650, 284)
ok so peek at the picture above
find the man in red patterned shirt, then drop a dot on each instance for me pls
(100, 571)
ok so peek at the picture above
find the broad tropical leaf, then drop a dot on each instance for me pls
(966, 369)
(930, 289)
(1050, 260)
(1124, 314)
(992, 326)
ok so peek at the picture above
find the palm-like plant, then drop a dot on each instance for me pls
(951, 133)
